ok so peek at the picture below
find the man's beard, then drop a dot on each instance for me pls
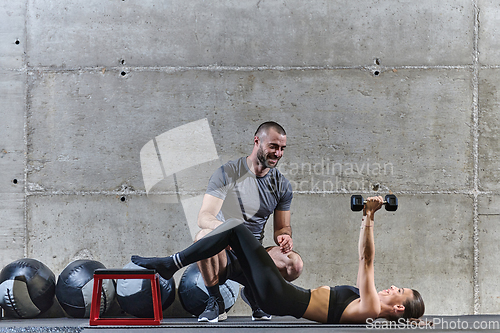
(262, 157)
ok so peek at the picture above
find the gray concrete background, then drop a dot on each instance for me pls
(376, 96)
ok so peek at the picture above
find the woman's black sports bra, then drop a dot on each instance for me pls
(340, 298)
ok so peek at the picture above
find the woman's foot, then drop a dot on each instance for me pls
(165, 266)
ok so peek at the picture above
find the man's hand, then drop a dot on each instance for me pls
(285, 242)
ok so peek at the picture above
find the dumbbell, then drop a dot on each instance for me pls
(390, 202)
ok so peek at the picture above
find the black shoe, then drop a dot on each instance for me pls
(257, 312)
(211, 313)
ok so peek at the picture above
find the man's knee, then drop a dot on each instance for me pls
(290, 264)
(294, 267)
(202, 233)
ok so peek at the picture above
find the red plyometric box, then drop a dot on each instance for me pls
(95, 306)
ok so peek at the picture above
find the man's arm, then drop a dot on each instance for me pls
(210, 207)
(283, 230)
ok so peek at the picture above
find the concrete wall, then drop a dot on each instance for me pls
(376, 96)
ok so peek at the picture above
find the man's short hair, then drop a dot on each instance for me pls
(264, 128)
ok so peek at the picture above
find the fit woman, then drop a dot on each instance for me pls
(342, 304)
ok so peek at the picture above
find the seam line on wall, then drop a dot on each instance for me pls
(25, 134)
(216, 68)
(475, 150)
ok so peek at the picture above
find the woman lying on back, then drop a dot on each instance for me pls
(341, 304)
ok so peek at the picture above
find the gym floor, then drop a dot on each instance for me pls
(244, 324)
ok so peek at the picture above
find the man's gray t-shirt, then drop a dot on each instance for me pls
(249, 197)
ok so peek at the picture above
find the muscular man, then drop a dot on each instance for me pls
(249, 189)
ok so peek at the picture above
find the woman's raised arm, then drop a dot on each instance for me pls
(369, 303)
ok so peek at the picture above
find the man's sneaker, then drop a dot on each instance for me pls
(257, 312)
(211, 313)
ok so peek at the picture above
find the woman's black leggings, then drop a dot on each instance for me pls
(274, 294)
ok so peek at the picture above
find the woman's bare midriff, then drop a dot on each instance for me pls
(317, 309)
